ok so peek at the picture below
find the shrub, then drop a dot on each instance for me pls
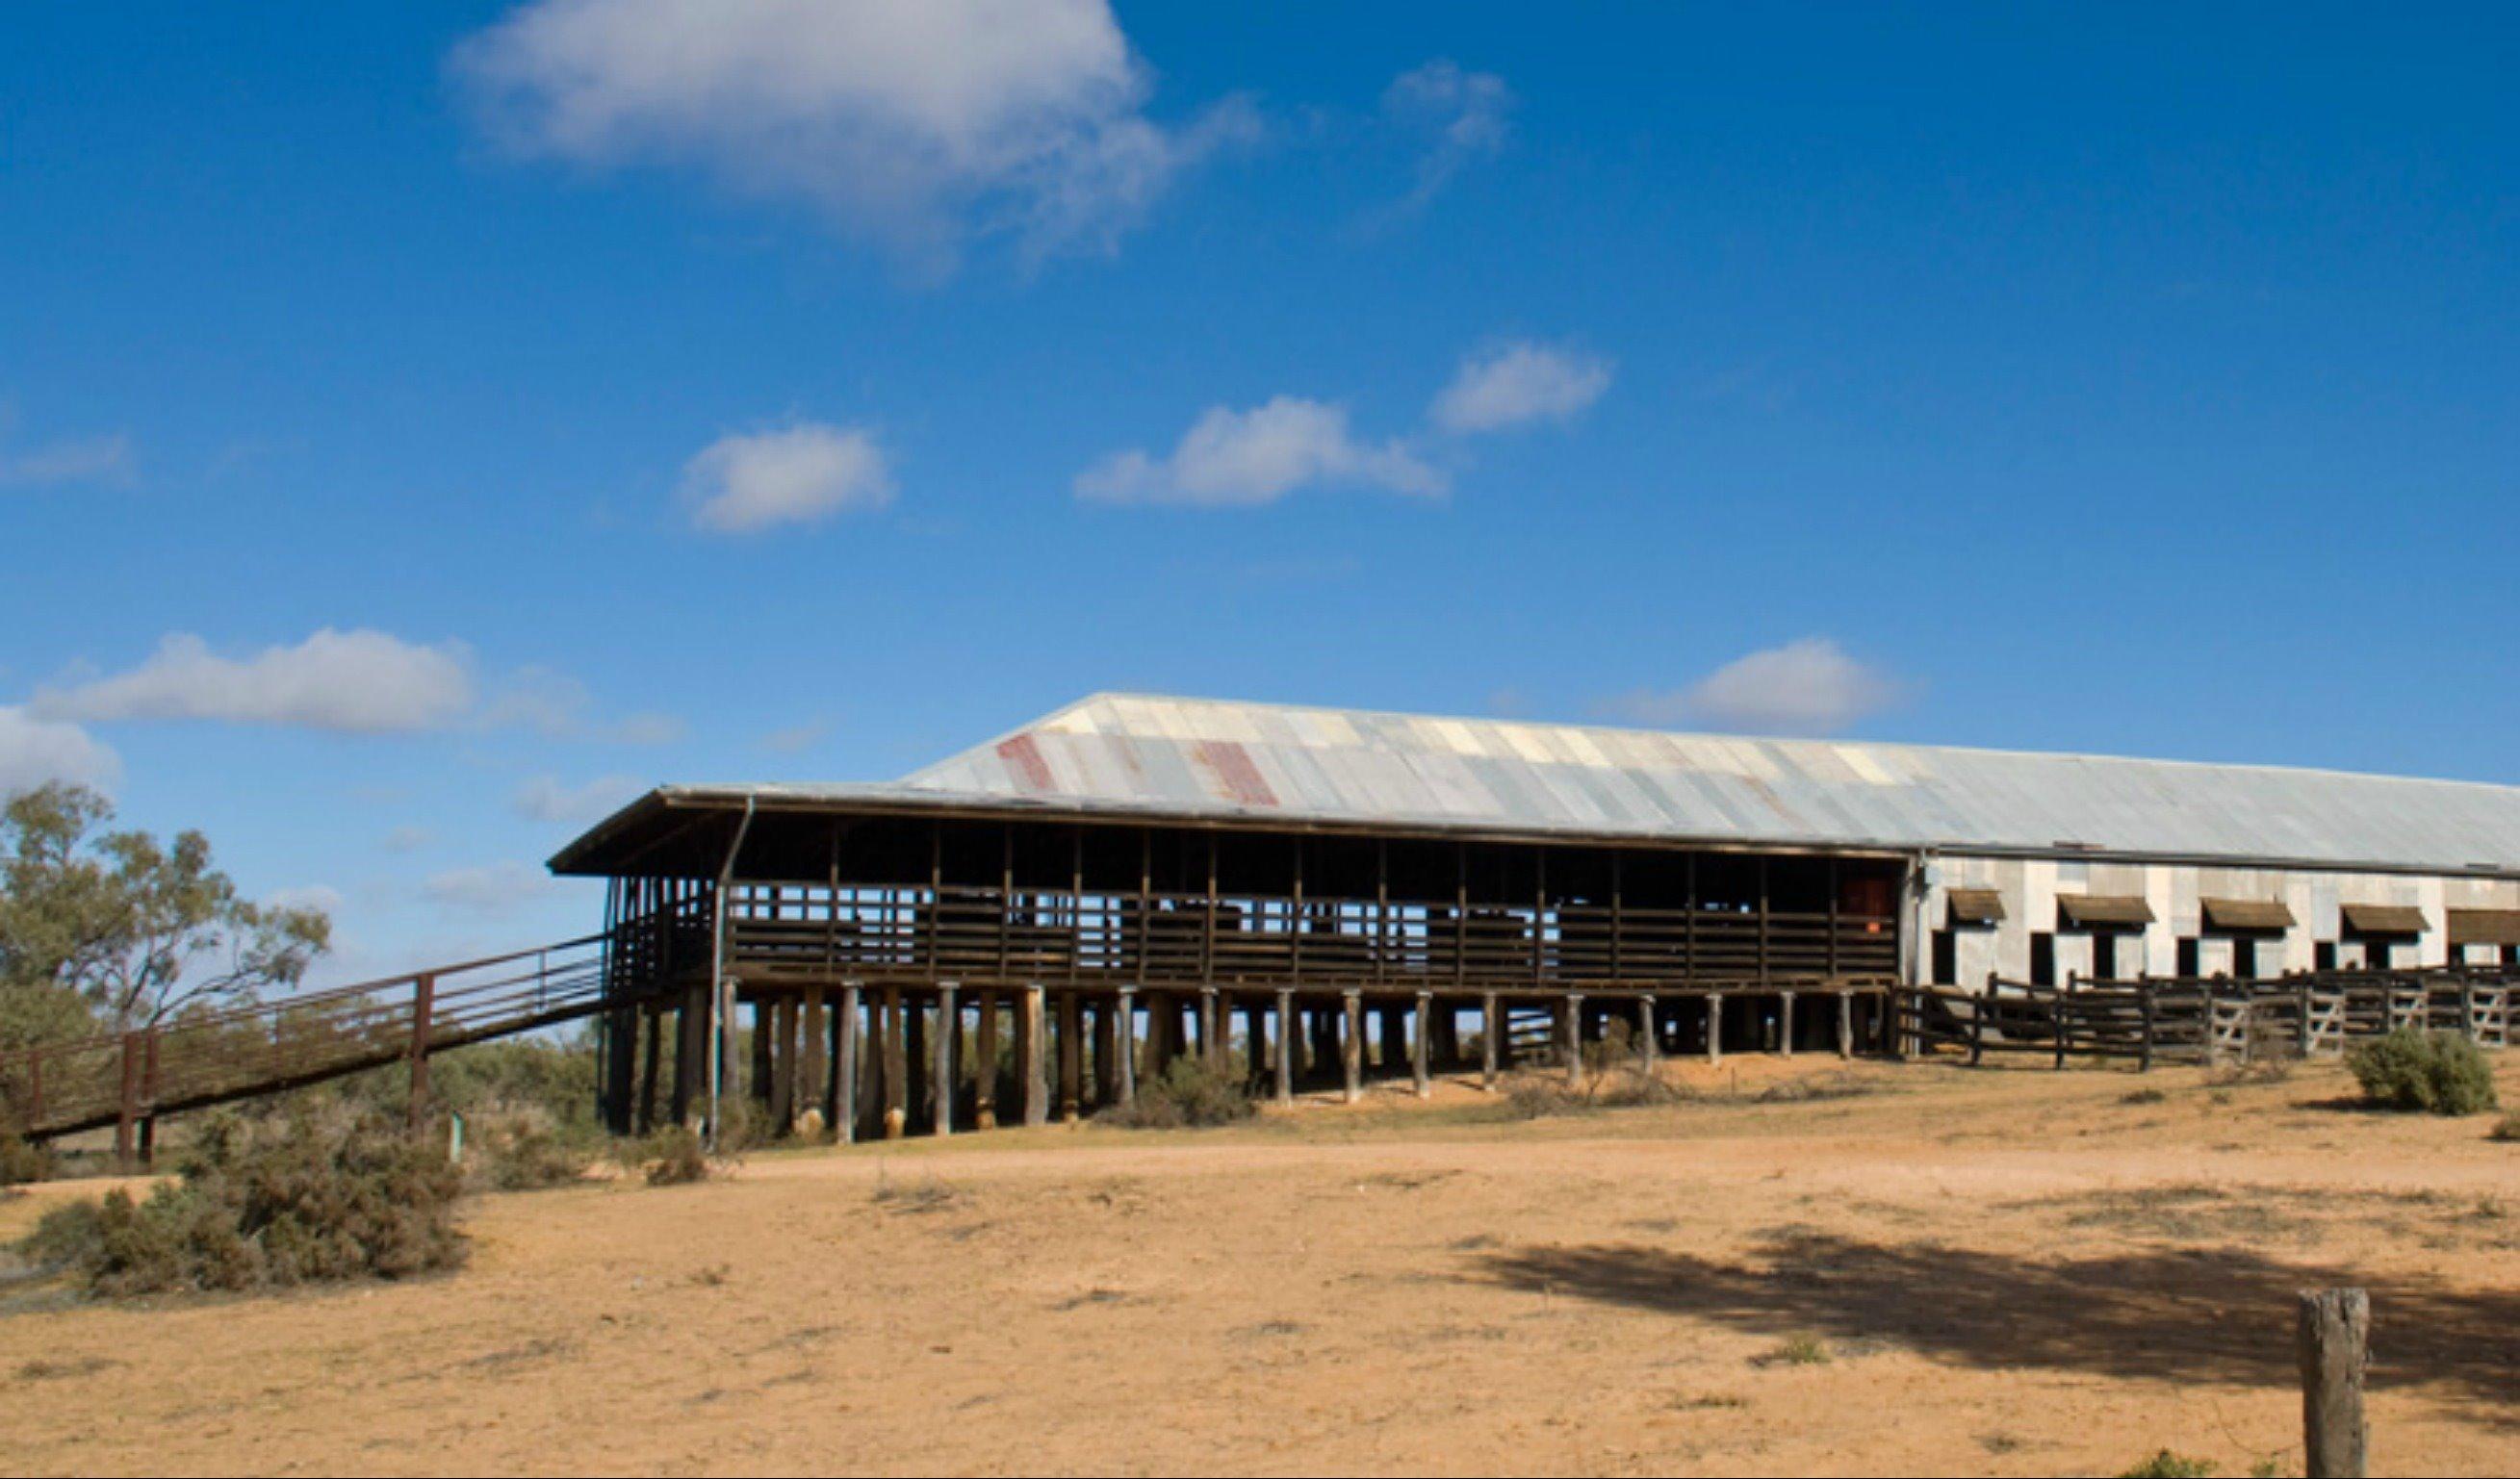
(2416, 1072)
(523, 1150)
(1190, 1094)
(327, 1196)
(674, 1156)
(2165, 1465)
(21, 1160)
(2506, 1129)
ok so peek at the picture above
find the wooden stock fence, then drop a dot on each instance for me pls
(2211, 1019)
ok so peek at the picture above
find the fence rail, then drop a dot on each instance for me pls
(2211, 1019)
(199, 1060)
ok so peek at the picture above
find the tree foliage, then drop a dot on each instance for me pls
(116, 930)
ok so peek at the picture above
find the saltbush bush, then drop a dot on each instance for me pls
(525, 1151)
(328, 1195)
(2428, 1073)
(1190, 1094)
(21, 1160)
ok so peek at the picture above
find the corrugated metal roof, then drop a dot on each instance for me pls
(1255, 762)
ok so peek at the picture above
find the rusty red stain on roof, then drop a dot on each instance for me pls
(1025, 758)
(1233, 766)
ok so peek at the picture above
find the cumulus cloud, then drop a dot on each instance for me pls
(743, 483)
(1241, 458)
(322, 898)
(1517, 383)
(1810, 687)
(1463, 117)
(543, 798)
(356, 682)
(913, 123)
(105, 460)
(34, 751)
(491, 889)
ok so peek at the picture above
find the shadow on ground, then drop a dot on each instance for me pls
(2221, 1314)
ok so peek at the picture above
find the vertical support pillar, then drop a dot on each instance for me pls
(1124, 1046)
(1846, 1024)
(984, 1077)
(941, 1080)
(1714, 1028)
(423, 1009)
(915, 1055)
(127, 1117)
(1351, 1047)
(1571, 1017)
(1490, 1038)
(1211, 1034)
(1287, 1039)
(844, 1068)
(1649, 1049)
(813, 1068)
(1421, 1024)
(652, 1061)
(782, 1017)
(1072, 1058)
(764, 1018)
(896, 1068)
(1030, 1026)
(1786, 1025)
(690, 1051)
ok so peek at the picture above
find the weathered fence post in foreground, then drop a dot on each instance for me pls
(2335, 1331)
(424, 1006)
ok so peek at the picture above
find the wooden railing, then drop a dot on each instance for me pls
(1186, 940)
(203, 1059)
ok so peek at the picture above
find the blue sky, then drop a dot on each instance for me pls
(422, 426)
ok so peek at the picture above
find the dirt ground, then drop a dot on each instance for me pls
(1922, 1271)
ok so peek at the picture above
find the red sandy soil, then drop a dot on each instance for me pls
(2002, 1272)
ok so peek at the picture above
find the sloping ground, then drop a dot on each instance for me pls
(2008, 1272)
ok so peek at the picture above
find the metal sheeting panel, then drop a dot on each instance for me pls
(1212, 758)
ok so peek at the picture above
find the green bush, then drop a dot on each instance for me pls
(2166, 1464)
(1190, 1094)
(2429, 1073)
(2506, 1129)
(327, 1195)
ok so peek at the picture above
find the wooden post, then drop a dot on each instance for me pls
(984, 1083)
(896, 1068)
(129, 1117)
(1648, 1048)
(2143, 1006)
(1029, 1027)
(1418, 1046)
(644, 1112)
(1786, 1025)
(949, 1035)
(1491, 1028)
(424, 1007)
(148, 1098)
(765, 1016)
(844, 1069)
(691, 1052)
(1124, 1046)
(1571, 1015)
(1846, 1024)
(781, 1020)
(1072, 1058)
(1352, 1047)
(2333, 1346)
(1714, 1028)
(813, 1073)
(1211, 1025)
(1286, 1049)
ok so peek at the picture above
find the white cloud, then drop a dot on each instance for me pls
(83, 460)
(743, 483)
(1463, 116)
(409, 839)
(543, 798)
(33, 751)
(493, 889)
(1810, 687)
(910, 122)
(558, 707)
(1519, 383)
(323, 898)
(796, 737)
(356, 682)
(1240, 458)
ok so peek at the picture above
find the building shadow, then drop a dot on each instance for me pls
(2217, 1314)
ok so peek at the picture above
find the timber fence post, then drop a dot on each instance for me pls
(2334, 1347)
